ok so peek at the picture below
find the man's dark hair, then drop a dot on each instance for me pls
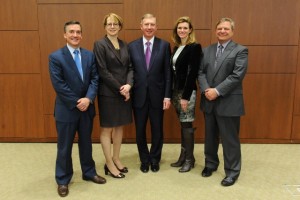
(71, 23)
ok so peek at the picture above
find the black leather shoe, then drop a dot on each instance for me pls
(154, 167)
(228, 181)
(63, 190)
(207, 172)
(144, 167)
(96, 179)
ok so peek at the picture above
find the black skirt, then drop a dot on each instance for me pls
(114, 111)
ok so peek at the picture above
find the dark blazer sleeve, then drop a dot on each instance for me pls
(63, 90)
(193, 62)
(168, 72)
(91, 74)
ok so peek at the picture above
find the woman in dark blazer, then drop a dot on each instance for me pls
(116, 80)
(185, 63)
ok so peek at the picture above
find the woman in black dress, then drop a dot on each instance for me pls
(116, 80)
(185, 63)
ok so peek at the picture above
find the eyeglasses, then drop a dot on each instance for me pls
(113, 24)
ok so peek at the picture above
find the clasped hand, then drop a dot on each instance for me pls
(83, 104)
(211, 94)
(124, 90)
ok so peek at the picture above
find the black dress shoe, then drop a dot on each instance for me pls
(154, 167)
(207, 172)
(228, 181)
(62, 190)
(144, 167)
(96, 179)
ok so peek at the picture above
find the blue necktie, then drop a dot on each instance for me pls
(78, 63)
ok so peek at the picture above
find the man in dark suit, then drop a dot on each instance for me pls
(221, 73)
(75, 80)
(150, 57)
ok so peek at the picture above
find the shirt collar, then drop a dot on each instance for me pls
(145, 40)
(71, 49)
(224, 44)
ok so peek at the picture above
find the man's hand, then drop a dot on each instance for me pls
(83, 104)
(166, 103)
(211, 94)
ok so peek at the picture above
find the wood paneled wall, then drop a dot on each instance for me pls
(30, 30)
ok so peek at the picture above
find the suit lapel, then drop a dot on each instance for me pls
(140, 50)
(71, 62)
(155, 50)
(84, 59)
(113, 50)
(224, 55)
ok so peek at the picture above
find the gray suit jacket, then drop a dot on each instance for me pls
(226, 77)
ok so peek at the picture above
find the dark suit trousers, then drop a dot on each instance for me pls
(227, 129)
(141, 116)
(66, 132)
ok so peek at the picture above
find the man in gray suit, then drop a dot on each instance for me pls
(221, 73)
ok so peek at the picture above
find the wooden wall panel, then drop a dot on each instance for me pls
(21, 111)
(261, 22)
(269, 106)
(296, 117)
(297, 90)
(52, 18)
(272, 59)
(78, 1)
(19, 52)
(18, 15)
(167, 12)
(296, 128)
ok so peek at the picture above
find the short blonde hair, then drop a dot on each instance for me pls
(147, 15)
(116, 17)
(191, 37)
(226, 19)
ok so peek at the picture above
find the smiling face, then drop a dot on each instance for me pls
(149, 27)
(73, 35)
(112, 26)
(224, 32)
(183, 30)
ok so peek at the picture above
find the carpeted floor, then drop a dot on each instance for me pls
(269, 172)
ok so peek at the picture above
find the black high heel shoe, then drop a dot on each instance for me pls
(124, 170)
(107, 172)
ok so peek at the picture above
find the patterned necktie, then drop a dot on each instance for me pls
(219, 53)
(148, 54)
(78, 63)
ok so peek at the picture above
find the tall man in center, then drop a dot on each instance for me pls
(150, 57)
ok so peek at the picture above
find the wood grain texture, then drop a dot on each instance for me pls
(18, 15)
(21, 110)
